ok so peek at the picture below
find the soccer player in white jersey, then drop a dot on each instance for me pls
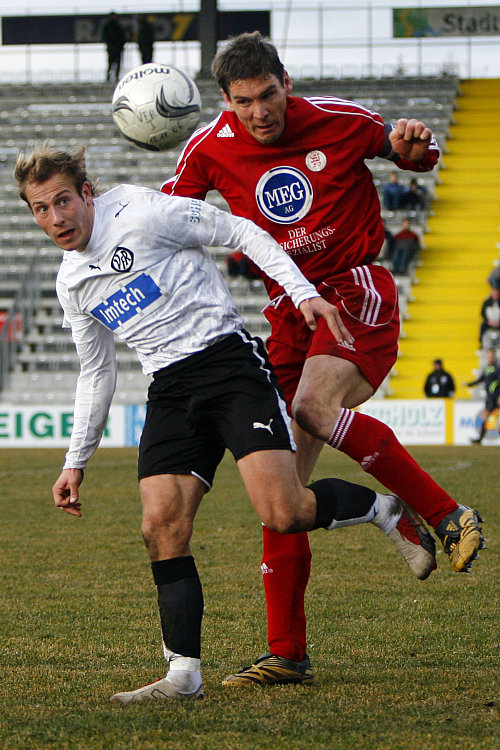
(135, 265)
(306, 182)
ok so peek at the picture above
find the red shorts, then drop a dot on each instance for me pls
(367, 300)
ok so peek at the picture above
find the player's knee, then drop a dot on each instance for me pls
(286, 526)
(305, 413)
(284, 520)
(311, 417)
(160, 530)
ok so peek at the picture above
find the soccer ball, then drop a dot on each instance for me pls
(156, 106)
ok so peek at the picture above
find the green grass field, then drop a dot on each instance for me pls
(399, 663)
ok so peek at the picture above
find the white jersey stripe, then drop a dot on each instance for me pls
(320, 100)
(342, 109)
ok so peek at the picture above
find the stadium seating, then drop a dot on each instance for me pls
(460, 247)
(45, 361)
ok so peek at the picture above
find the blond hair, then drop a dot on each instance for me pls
(45, 160)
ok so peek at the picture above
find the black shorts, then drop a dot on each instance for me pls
(491, 401)
(225, 396)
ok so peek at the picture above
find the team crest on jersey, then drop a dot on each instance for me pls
(316, 161)
(284, 195)
(122, 260)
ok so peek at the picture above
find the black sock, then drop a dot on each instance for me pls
(180, 602)
(339, 500)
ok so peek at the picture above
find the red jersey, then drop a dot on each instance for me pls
(310, 189)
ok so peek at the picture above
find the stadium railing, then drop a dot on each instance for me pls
(18, 321)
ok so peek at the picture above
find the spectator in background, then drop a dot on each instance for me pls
(393, 193)
(406, 247)
(490, 377)
(414, 198)
(439, 383)
(494, 278)
(113, 36)
(489, 334)
(238, 264)
(145, 38)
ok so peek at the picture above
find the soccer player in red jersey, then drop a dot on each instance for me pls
(296, 167)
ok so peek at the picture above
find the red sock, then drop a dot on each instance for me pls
(375, 447)
(286, 565)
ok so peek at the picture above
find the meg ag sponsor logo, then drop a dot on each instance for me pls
(284, 195)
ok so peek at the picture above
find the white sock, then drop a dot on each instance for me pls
(388, 512)
(184, 672)
(184, 680)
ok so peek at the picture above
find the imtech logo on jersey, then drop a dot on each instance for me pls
(128, 301)
(284, 195)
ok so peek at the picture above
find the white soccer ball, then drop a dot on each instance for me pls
(156, 106)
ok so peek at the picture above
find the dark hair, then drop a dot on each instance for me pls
(45, 161)
(248, 55)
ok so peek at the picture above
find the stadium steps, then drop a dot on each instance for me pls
(75, 114)
(460, 248)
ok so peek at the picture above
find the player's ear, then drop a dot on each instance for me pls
(287, 83)
(227, 100)
(87, 193)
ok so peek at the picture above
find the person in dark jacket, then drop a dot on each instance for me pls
(392, 193)
(113, 36)
(145, 38)
(439, 383)
(405, 248)
(413, 199)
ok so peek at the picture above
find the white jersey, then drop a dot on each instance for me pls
(146, 276)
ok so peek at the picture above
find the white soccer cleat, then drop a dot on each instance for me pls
(408, 534)
(160, 690)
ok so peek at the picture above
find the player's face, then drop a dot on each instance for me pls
(64, 215)
(260, 105)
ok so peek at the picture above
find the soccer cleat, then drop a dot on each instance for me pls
(462, 537)
(269, 669)
(159, 690)
(407, 532)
